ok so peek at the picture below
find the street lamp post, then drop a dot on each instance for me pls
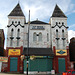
(28, 42)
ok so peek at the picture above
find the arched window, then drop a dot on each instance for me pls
(11, 42)
(63, 38)
(62, 33)
(18, 22)
(57, 41)
(40, 36)
(56, 33)
(18, 32)
(47, 37)
(34, 37)
(15, 21)
(12, 22)
(62, 23)
(12, 32)
(17, 42)
(63, 43)
(27, 36)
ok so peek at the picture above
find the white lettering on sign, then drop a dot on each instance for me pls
(38, 27)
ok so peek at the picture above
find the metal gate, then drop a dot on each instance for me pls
(61, 64)
(13, 63)
(39, 65)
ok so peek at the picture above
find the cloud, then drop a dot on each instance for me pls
(72, 27)
(73, 11)
(41, 9)
(71, 33)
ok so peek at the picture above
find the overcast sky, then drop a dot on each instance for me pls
(41, 9)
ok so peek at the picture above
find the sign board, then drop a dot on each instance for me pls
(37, 27)
(61, 52)
(3, 59)
(14, 52)
(33, 56)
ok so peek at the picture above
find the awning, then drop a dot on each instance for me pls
(38, 51)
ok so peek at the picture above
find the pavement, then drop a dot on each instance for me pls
(22, 74)
(28, 74)
(10, 74)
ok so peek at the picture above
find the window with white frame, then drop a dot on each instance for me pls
(56, 23)
(57, 43)
(57, 38)
(62, 33)
(27, 36)
(34, 37)
(47, 37)
(12, 31)
(63, 43)
(17, 42)
(18, 32)
(56, 33)
(11, 42)
(40, 37)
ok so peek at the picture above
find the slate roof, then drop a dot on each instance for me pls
(17, 11)
(39, 51)
(58, 12)
(37, 22)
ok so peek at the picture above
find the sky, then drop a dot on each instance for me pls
(41, 9)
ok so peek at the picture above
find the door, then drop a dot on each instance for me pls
(13, 64)
(61, 64)
(0, 66)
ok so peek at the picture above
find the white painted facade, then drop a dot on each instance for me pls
(23, 36)
(41, 44)
(60, 28)
(47, 30)
(15, 21)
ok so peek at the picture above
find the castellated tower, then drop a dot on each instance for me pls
(59, 29)
(15, 27)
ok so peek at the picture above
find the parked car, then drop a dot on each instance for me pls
(69, 72)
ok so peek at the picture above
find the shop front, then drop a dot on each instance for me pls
(39, 64)
(15, 64)
(60, 61)
(2, 61)
(40, 60)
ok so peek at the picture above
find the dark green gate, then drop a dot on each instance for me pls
(13, 63)
(61, 64)
(39, 64)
